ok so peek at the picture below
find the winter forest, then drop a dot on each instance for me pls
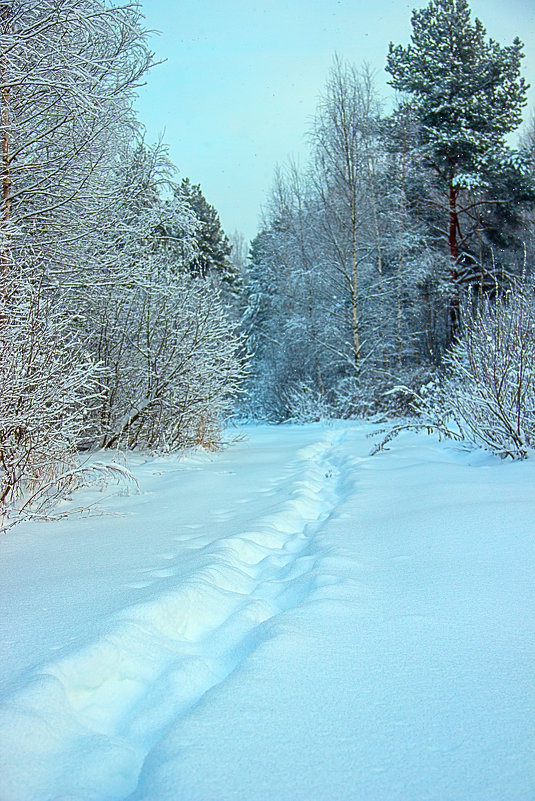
(392, 274)
(266, 507)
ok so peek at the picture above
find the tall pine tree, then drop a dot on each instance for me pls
(467, 93)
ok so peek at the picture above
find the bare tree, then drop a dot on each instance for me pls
(172, 362)
(168, 354)
(67, 74)
(338, 263)
(340, 168)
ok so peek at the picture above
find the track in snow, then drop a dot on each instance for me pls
(115, 697)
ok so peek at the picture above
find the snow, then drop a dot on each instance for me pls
(290, 618)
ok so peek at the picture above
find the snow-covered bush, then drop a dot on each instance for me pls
(171, 364)
(306, 404)
(485, 393)
(46, 384)
(490, 382)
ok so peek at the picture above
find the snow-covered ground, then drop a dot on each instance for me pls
(287, 619)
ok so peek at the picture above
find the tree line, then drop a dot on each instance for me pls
(372, 250)
(116, 287)
(399, 254)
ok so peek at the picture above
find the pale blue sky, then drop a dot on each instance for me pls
(241, 80)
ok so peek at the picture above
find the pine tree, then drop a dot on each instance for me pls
(467, 94)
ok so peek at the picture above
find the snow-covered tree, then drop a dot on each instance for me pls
(169, 358)
(339, 137)
(239, 253)
(213, 247)
(48, 383)
(364, 238)
(333, 286)
(106, 338)
(67, 72)
(467, 94)
(69, 68)
(172, 364)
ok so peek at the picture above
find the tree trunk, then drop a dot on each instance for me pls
(354, 302)
(6, 175)
(354, 278)
(454, 311)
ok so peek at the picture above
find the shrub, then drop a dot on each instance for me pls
(46, 383)
(485, 392)
(490, 379)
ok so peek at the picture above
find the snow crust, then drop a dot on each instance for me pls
(287, 619)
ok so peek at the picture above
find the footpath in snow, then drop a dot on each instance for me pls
(287, 619)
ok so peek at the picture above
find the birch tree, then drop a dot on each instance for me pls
(339, 160)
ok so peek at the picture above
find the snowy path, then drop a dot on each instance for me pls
(290, 619)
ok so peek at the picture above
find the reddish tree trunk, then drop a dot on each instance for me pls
(454, 255)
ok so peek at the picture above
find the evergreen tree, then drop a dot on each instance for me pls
(467, 94)
(212, 259)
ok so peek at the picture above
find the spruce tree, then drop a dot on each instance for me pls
(214, 248)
